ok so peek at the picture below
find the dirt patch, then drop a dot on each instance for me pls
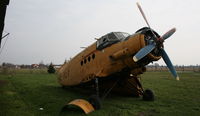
(3, 82)
(141, 114)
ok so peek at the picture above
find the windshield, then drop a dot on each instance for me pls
(121, 35)
(111, 38)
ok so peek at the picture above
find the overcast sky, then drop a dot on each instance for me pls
(54, 30)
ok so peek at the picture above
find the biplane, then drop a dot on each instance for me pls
(114, 63)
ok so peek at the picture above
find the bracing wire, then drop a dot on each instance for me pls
(1, 49)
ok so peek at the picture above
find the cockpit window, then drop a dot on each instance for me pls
(110, 39)
(122, 35)
(126, 35)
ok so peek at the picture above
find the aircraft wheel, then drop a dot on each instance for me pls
(148, 95)
(95, 101)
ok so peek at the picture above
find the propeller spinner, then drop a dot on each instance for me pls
(158, 42)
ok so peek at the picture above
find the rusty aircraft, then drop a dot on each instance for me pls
(114, 63)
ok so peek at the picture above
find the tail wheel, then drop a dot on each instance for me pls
(148, 95)
(95, 101)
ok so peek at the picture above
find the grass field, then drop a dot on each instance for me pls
(22, 93)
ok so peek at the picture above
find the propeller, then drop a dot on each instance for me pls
(169, 33)
(169, 63)
(143, 52)
(157, 43)
(141, 11)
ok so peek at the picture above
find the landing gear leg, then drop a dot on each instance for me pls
(147, 94)
(97, 86)
(94, 99)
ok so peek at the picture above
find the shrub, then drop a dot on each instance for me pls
(51, 69)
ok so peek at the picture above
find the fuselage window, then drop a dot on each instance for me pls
(89, 58)
(85, 61)
(93, 56)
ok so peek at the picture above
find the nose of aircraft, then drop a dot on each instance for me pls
(156, 43)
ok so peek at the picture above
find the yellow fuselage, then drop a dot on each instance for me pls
(91, 63)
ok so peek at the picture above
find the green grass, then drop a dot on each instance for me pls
(22, 94)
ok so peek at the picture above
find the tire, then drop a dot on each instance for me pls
(95, 101)
(148, 95)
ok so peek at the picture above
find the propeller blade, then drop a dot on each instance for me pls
(169, 33)
(141, 11)
(143, 52)
(169, 64)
